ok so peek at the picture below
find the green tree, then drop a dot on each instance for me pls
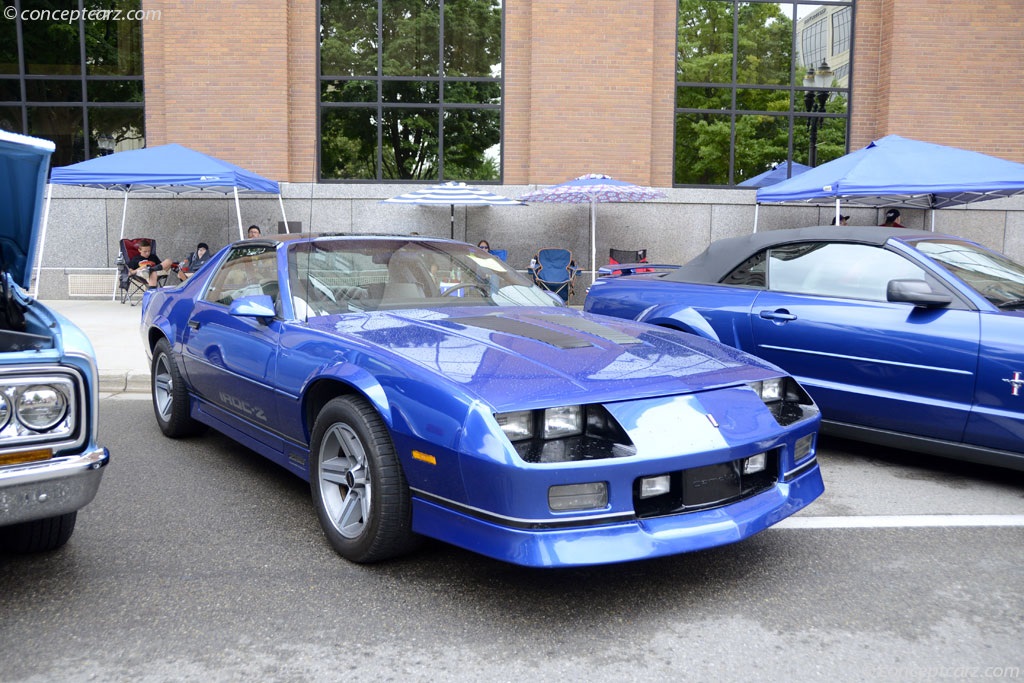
(753, 107)
(418, 81)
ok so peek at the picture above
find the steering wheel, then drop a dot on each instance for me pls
(466, 285)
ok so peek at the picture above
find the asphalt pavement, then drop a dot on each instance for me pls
(113, 329)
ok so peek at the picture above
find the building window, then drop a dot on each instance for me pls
(842, 22)
(746, 100)
(71, 72)
(410, 91)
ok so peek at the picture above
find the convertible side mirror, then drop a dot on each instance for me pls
(258, 306)
(917, 292)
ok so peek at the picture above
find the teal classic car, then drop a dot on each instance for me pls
(50, 464)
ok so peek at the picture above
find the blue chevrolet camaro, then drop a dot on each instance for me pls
(424, 388)
(903, 338)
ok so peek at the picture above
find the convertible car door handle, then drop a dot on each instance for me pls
(194, 324)
(781, 315)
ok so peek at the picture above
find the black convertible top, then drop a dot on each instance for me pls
(722, 256)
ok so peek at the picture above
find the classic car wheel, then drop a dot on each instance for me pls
(357, 483)
(38, 535)
(170, 399)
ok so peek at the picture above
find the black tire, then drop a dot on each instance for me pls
(38, 535)
(170, 397)
(357, 483)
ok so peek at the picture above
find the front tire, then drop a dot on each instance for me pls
(170, 396)
(357, 483)
(39, 535)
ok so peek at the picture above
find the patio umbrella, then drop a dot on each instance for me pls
(451, 194)
(593, 188)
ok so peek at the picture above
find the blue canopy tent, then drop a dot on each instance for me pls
(775, 175)
(165, 168)
(896, 171)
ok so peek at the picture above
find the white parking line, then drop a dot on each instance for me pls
(900, 521)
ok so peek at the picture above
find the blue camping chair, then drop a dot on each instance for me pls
(555, 270)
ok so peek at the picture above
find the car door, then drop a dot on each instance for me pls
(867, 361)
(231, 360)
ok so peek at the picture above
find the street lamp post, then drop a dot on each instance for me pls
(814, 102)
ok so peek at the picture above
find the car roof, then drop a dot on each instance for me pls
(722, 256)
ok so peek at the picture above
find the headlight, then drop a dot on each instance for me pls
(41, 407)
(564, 421)
(517, 426)
(565, 434)
(786, 399)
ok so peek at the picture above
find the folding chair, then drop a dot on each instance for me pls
(132, 286)
(625, 256)
(555, 270)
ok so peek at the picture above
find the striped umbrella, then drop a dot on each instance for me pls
(451, 194)
(593, 188)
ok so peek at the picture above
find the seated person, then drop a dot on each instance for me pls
(147, 266)
(194, 261)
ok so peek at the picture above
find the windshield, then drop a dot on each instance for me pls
(339, 275)
(989, 273)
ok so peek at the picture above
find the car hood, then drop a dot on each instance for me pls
(24, 162)
(524, 356)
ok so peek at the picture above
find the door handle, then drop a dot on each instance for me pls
(779, 316)
(194, 324)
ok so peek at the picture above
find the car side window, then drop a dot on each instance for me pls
(247, 271)
(750, 273)
(853, 271)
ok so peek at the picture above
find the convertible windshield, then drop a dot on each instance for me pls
(339, 275)
(991, 274)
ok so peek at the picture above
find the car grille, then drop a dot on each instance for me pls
(701, 488)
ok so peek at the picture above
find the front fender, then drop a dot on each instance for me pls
(684, 318)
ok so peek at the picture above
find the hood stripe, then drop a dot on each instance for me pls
(519, 328)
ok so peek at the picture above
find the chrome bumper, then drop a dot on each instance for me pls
(40, 490)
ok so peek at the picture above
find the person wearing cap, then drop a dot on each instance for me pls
(194, 261)
(892, 219)
(843, 220)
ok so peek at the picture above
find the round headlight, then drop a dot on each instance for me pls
(5, 411)
(41, 407)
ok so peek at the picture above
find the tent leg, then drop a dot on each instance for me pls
(452, 222)
(42, 242)
(238, 213)
(756, 207)
(283, 217)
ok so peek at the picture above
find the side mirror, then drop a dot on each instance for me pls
(917, 292)
(258, 306)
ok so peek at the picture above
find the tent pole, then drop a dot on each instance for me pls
(756, 207)
(283, 217)
(837, 211)
(124, 215)
(42, 242)
(238, 212)
(452, 222)
(593, 244)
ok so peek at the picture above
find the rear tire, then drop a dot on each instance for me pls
(170, 396)
(357, 483)
(39, 535)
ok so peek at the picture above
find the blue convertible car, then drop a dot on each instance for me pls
(424, 388)
(903, 338)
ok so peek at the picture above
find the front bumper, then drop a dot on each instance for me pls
(40, 490)
(620, 542)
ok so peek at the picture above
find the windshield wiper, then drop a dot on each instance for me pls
(1012, 303)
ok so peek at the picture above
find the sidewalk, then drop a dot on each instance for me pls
(113, 329)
